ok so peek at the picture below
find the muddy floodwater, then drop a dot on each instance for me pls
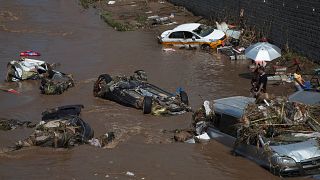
(86, 47)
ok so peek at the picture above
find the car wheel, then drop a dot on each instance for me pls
(147, 105)
(101, 84)
(184, 97)
(233, 153)
(205, 47)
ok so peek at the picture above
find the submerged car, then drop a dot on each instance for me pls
(60, 127)
(193, 35)
(25, 69)
(285, 149)
(136, 92)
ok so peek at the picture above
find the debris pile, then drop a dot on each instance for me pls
(56, 84)
(278, 118)
(10, 124)
(201, 118)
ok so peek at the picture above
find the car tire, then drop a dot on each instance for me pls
(103, 78)
(233, 153)
(205, 47)
(184, 97)
(147, 105)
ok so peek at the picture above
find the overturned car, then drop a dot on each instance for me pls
(136, 92)
(279, 135)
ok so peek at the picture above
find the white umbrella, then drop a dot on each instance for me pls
(263, 51)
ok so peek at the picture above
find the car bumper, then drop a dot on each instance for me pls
(159, 39)
(301, 170)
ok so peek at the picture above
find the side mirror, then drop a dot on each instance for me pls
(193, 38)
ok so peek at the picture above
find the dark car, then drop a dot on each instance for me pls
(135, 91)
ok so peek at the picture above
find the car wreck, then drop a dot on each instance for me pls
(193, 35)
(279, 135)
(52, 81)
(135, 91)
(25, 68)
(55, 83)
(60, 127)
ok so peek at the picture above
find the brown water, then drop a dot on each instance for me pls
(86, 47)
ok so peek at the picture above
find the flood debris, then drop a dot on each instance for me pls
(232, 52)
(54, 83)
(30, 53)
(25, 68)
(60, 127)
(10, 90)
(103, 140)
(166, 20)
(277, 118)
(11, 124)
(128, 173)
(229, 30)
(111, 2)
(200, 120)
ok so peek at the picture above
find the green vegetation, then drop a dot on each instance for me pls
(86, 3)
(119, 26)
(141, 19)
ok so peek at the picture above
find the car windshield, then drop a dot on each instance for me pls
(203, 30)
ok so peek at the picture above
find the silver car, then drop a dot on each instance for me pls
(299, 156)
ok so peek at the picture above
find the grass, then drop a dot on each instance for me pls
(86, 3)
(119, 26)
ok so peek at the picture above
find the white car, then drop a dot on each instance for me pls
(193, 35)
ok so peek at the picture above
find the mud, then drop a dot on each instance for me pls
(86, 47)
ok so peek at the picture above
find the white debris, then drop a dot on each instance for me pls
(203, 136)
(94, 142)
(130, 173)
(190, 141)
(207, 108)
(111, 2)
(168, 49)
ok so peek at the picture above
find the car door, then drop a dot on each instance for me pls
(191, 39)
(223, 129)
(253, 149)
(177, 38)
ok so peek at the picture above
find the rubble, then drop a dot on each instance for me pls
(56, 84)
(10, 124)
(201, 118)
(277, 118)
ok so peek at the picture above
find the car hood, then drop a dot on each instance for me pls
(215, 35)
(165, 33)
(299, 151)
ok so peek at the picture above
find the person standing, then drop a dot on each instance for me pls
(262, 82)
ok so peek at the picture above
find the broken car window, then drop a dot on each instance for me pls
(203, 30)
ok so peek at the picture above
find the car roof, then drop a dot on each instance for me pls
(306, 97)
(232, 106)
(187, 27)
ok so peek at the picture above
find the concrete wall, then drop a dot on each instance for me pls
(292, 22)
